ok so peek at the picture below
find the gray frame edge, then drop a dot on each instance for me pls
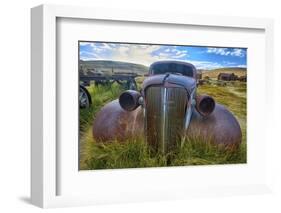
(37, 106)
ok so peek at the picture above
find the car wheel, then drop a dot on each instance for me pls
(85, 100)
(132, 85)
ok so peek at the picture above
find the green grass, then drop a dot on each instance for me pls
(100, 96)
(135, 153)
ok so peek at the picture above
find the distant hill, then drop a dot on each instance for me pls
(106, 66)
(215, 72)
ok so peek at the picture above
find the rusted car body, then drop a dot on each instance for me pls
(166, 111)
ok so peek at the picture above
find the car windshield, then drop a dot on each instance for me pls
(163, 68)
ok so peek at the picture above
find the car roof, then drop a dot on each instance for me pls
(174, 62)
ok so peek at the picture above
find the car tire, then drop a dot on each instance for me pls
(85, 99)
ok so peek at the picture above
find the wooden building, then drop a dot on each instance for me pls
(227, 77)
(243, 78)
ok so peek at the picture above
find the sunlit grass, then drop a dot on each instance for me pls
(100, 96)
(135, 153)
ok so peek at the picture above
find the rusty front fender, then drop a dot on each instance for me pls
(114, 123)
(220, 127)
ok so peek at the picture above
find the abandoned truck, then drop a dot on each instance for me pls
(166, 111)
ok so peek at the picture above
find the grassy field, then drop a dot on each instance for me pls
(215, 72)
(136, 154)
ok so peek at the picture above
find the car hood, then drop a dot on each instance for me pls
(170, 80)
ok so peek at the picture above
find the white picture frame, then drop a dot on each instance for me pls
(44, 135)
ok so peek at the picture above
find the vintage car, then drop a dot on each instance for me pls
(166, 111)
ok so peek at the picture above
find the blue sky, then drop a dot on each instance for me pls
(201, 57)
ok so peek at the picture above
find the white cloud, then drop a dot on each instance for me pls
(112, 45)
(176, 53)
(225, 51)
(83, 58)
(89, 54)
(242, 66)
(208, 65)
(205, 65)
(123, 52)
(228, 63)
(82, 44)
(179, 55)
(218, 51)
(237, 52)
(106, 46)
(164, 54)
(140, 54)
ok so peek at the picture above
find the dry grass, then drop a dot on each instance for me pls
(135, 153)
(214, 73)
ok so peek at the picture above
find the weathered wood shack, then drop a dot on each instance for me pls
(227, 77)
(243, 78)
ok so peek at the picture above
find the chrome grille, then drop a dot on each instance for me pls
(165, 114)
